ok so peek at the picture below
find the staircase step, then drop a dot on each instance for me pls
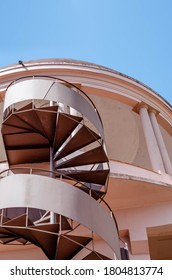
(65, 126)
(95, 256)
(83, 137)
(70, 245)
(46, 238)
(96, 177)
(93, 156)
(48, 121)
(22, 156)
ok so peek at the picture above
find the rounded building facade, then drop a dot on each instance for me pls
(85, 164)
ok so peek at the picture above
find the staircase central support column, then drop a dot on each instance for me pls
(52, 214)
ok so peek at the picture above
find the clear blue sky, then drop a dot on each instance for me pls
(130, 36)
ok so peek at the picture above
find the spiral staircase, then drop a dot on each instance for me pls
(52, 195)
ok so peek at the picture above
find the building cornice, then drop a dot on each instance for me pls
(67, 63)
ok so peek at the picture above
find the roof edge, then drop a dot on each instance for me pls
(69, 61)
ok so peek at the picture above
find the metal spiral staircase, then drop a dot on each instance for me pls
(52, 195)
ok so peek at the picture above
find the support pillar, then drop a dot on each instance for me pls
(160, 141)
(152, 146)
